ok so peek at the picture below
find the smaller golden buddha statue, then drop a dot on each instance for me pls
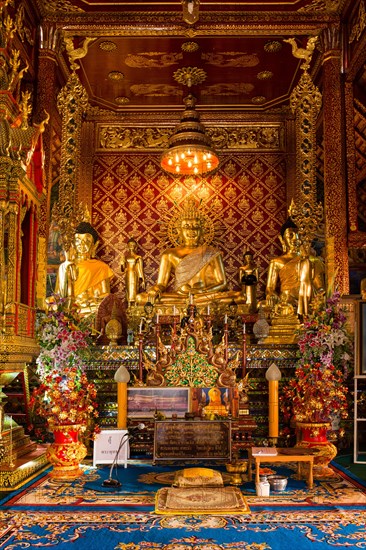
(285, 323)
(215, 405)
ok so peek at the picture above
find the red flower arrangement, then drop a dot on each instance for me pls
(318, 389)
(65, 395)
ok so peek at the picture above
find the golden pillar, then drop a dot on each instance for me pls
(335, 198)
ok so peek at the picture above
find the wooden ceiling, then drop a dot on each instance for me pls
(238, 49)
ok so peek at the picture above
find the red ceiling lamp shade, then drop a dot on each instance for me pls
(189, 152)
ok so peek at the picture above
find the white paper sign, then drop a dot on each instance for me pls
(106, 446)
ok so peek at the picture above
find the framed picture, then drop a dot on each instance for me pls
(143, 402)
(360, 338)
(220, 401)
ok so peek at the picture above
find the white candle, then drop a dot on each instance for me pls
(208, 310)
(244, 329)
(157, 318)
(225, 318)
(174, 310)
(141, 326)
(191, 299)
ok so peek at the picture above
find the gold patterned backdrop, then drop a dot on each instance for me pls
(246, 198)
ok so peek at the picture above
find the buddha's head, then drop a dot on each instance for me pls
(191, 225)
(86, 241)
(132, 245)
(289, 236)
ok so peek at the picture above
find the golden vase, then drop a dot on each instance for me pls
(66, 452)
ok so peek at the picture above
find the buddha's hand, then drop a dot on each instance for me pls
(271, 300)
(153, 294)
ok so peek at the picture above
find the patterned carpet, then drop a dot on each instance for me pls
(85, 515)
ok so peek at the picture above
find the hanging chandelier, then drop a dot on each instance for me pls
(189, 152)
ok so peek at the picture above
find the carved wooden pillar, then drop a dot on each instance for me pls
(335, 201)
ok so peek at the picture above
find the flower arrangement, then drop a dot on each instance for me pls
(64, 396)
(318, 389)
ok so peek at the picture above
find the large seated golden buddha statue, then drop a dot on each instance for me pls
(197, 267)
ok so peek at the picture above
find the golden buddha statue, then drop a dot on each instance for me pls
(297, 273)
(198, 267)
(92, 283)
(132, 266)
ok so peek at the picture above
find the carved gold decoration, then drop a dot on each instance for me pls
(152, 60)
(305, 102)
(26, 109)
(122, 100)
(116, 75)
(231, 137)
(78, 53)
(264, 75)
(303, 53)
(72, 102)
(190, 76)
(359, 25)
(273, 46)
(41, 271)
(61, 5)
(258, 100)
(231, 59)
(233, 88)
(190, 11)
(108, 46)
(190, 47)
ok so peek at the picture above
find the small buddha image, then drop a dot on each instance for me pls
(248, 278)
(216, 404)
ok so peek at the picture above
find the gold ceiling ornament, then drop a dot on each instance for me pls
(190, 151)
(108, 46)
(264, 75)
(190, 11)
(303, 53)
(272, 46)
(258, 99)
(116, 75)
(76, 53)
(190, 76)
(122, 100)
(190, 47)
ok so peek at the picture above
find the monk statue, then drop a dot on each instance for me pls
(66, 275)
(197, 267)
(248, 279)
(296, 274)
(92, 283)
(132, 266)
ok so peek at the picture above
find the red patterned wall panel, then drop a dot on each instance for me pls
(246, 198)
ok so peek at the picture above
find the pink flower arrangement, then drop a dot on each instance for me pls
(65, 395)
(318, 389)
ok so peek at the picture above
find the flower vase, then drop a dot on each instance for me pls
(66, 452)
(313, 435)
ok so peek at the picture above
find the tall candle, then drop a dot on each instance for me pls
(225, 318)
(157, 318)
(174, 310)
(191, 299)
(244, 328)
(208, 310)
(141, 326)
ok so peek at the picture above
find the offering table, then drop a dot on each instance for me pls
(298, 455)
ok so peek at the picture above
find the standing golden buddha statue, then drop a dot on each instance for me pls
(132, 266)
